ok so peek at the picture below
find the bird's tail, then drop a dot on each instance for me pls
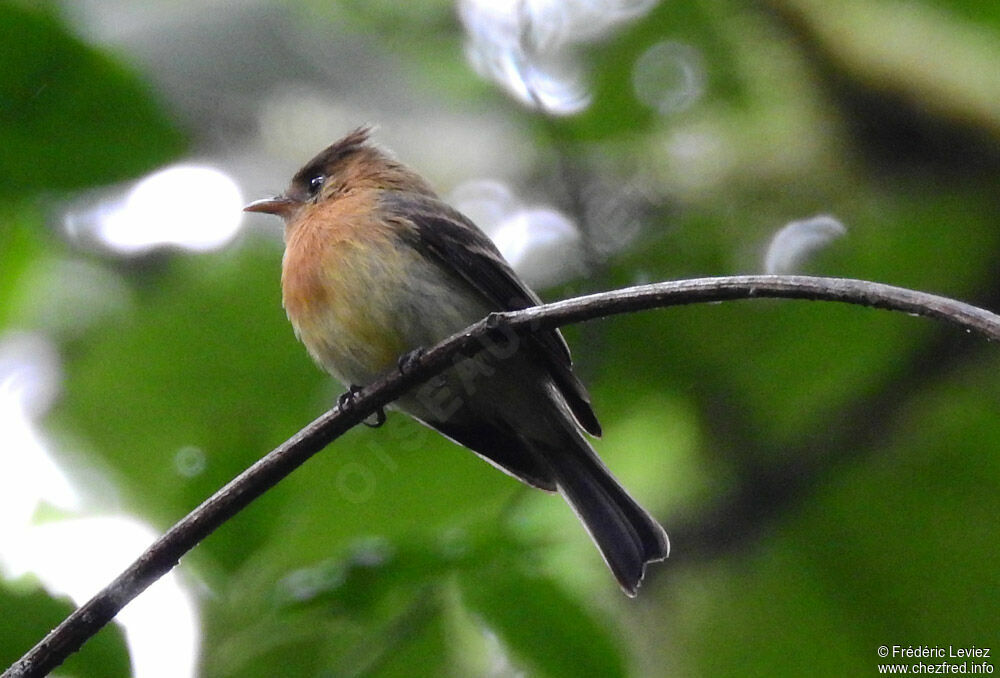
(627, 536)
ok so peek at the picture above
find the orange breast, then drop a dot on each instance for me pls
(340, 277)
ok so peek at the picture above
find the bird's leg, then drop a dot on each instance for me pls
(345, 401)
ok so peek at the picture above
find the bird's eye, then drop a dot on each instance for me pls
(316, 183)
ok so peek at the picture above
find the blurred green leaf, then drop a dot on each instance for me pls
(29, 614)
(70, 116)
(21, 247)
(922, 50)
(545, 629)
(896, 550)
(200, 378)
(375, 609)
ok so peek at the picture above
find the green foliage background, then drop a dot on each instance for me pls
(829, 476)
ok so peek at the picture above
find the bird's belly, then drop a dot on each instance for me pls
(376, 306)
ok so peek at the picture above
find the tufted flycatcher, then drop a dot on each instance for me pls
(376, 265)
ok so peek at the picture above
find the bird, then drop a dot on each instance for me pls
(377, 267)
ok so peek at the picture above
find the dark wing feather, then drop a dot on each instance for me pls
(459, 246)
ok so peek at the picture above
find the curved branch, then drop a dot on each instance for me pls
(166, 551)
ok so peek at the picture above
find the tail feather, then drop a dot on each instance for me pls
(627, 536)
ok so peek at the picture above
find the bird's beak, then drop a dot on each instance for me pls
(279, 205)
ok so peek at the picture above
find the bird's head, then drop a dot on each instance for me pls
(349, 164)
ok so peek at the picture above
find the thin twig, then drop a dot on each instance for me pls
(166, 551)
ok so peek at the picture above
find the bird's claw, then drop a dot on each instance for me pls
(376, 419)
(345, 401)
(410, 359)
(496, 320)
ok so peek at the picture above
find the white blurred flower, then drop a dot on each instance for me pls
(542, 244)
(794, 243)
(527, 46)
(189, 206)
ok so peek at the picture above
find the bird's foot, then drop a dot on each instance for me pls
(496, 321)
(410, 359)
(345, 401)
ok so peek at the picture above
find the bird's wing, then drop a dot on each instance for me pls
(460, 247)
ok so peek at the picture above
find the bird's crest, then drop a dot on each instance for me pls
(332, 154)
